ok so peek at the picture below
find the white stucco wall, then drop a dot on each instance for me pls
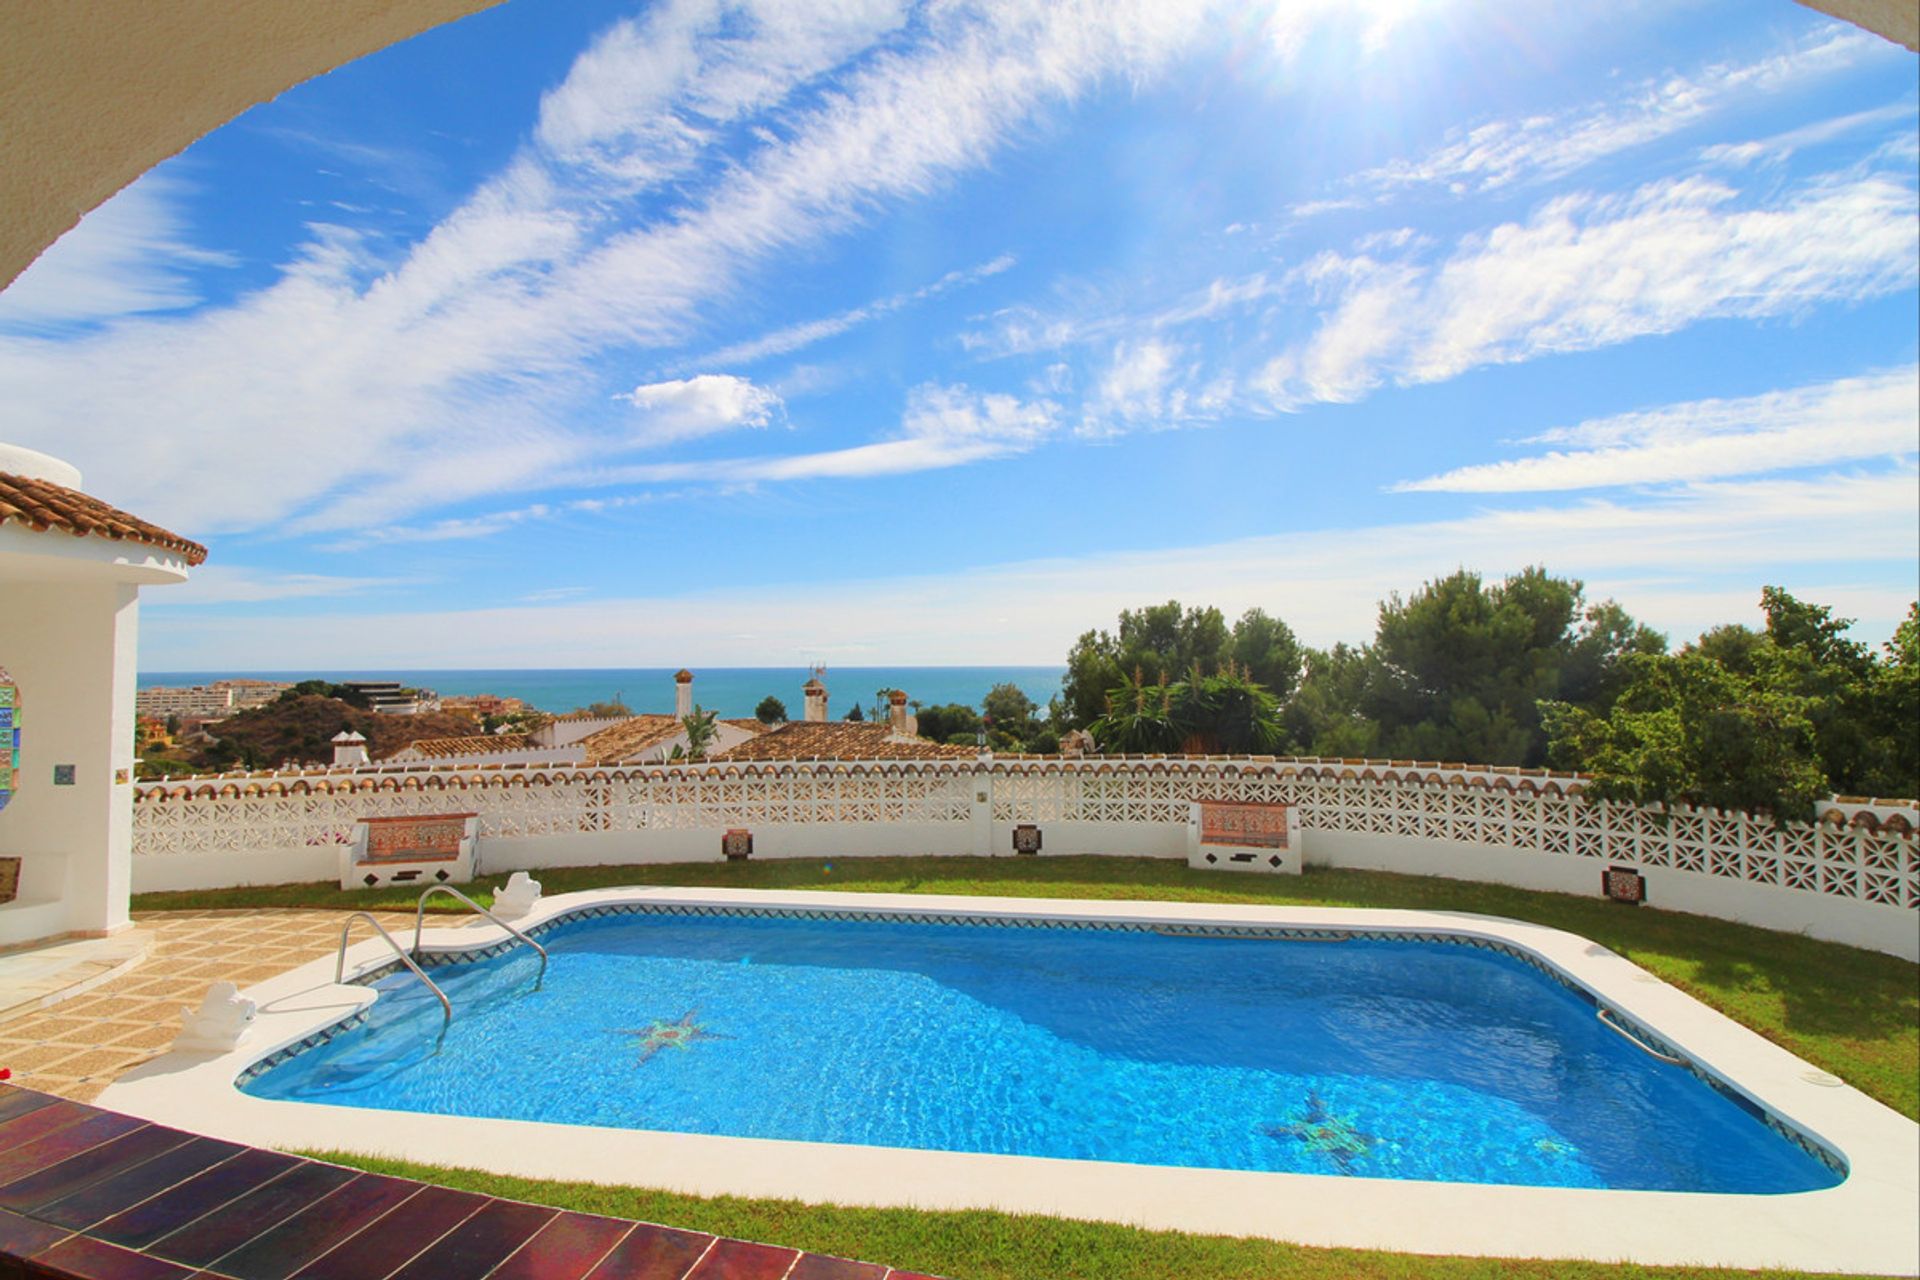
(71, 648)
(1890, 929)
(1861, 924)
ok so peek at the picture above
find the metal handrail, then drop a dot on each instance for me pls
(420, 916)
(1606, 1020)
(340, 964)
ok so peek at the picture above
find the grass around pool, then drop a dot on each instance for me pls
(1854, 1013)
(978, 1244)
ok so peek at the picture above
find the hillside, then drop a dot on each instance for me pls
(301, 728)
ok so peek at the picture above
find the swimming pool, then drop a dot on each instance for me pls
(1429, 1056)
(1856, 1226)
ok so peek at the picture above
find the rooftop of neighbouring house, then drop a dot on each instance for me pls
(618, 743)
(475, 745)
(838, 740)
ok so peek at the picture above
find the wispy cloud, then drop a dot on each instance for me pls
(486, 524)
(942, 426)
(506, 311)
(1588, 271)
(1536, 148)
(131, 256)
(1841, 421)
(1690, 559)
(798, 336)
(1138, 388)
(1783, 146)
(219, 584)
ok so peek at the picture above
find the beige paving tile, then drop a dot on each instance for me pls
(74, 1049)
(155, 1036)
(56, 1028)
(40, 1056)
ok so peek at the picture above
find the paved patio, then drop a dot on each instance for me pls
(77, 1047)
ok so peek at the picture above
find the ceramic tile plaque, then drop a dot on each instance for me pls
(9, 735)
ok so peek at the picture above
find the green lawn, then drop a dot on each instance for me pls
(980, 1245)
(1855, 1013)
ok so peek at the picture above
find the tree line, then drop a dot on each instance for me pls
(1524, 671)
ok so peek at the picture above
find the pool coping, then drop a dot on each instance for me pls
(1849, 1228)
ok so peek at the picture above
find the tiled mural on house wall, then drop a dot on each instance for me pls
(9, 735)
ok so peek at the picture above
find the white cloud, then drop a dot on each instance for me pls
(461, 368)
(1842, 421)
(942, 426)
(1691, 559)
(236, 584)
(1589, 271)
(1136, 389)
(129, 256)
(484, 525)
(1782, 146)
(687, 408)
(645, 100)
(795, 337)
(1541, 147)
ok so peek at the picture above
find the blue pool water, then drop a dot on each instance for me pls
(1364, 1058)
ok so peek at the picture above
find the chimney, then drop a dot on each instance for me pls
(816, 696)
(682, 694)
(897, 714)
(349, 749)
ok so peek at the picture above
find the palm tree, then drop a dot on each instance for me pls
(700, 731)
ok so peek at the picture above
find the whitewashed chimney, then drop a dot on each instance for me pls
(349, 749)
(816, 696)
(897, 715)
(682, 694)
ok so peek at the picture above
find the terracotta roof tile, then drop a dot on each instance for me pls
(45, 506)
(751, 726)
(620, 743)
(477, 745)
(838, 740)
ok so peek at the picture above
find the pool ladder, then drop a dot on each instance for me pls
(420, 916)
(412, 959)
(340, 964)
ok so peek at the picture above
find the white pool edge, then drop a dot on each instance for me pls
(1864, 1225)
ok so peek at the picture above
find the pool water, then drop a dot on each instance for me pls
(1363, 1058)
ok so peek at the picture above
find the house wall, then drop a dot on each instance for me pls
(70, 647)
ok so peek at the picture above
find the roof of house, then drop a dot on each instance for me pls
(478, 745)
(45, 506)
(619, 743)
(838, 740)
(751, 726)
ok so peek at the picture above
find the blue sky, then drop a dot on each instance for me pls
(752, 333)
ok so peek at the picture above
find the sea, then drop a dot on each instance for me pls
(732, 691)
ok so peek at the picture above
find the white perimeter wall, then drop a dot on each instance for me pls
(1879, 927)
(1862, 924)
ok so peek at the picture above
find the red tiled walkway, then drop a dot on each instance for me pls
(87, 1194)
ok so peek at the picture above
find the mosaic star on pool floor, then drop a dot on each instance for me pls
(1336, 1137)
(656, 1036)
